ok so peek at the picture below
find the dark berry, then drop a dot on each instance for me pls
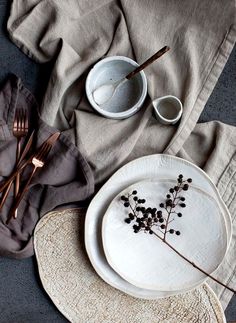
(185, 187)
(169, 202)
(136, 231)
(135, 227)
(131, 216)
(145, 216)
(149, 210)
(149, 220)
(176, 188)
(150, 231)
(139, 201)
(182, 199)
(135, 198)
(159, 214)
(182, 204)
(138, 208)
(155, 220)
(123, 198)
(127, 220)
(138, 220)
(171, 190)
(171, 231)
(142, 225)
(143, 201)
(177, 233)
(162, 205)
(168, 196)
(134, 192)
(180, 176)
(189, 180)
(163, 226)
(154, 210)
(179, 215)
(161, 220)
(126, 204)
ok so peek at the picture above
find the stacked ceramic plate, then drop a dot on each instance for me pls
(157, 265)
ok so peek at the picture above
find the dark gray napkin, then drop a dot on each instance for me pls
(65, 180)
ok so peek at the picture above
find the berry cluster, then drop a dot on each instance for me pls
(146, 218)
(173, 199)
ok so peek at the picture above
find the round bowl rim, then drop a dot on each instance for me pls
(163, 98)
(123, 114)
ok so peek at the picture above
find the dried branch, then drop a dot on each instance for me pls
(147, 218)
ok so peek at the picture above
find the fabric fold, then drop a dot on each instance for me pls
(78, 33)
(66, 177)
(216, 154)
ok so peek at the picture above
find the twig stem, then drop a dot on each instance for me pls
(194, 265)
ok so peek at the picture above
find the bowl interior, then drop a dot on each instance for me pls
(168, 108)
(127, 95)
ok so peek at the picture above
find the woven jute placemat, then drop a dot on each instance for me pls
(82, 296)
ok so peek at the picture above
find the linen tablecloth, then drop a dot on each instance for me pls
(78, 33)
(75, 34)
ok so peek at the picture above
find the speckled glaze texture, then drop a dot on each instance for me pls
(128, 96)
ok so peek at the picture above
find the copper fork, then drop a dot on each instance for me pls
(20, 130)
(51, 140)
(38, 161)
(22, 157)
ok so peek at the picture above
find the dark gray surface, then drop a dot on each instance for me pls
(22, 298)
(222, 102)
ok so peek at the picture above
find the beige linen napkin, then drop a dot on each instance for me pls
(78, 33)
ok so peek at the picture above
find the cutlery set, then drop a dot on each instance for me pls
(37, 160)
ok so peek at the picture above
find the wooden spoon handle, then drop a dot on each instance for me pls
(148, 62)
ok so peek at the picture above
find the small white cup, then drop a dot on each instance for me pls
(168, 109)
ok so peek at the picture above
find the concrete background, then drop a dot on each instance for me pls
(22, 298)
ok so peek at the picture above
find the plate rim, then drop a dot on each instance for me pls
(107, 254)
(113, 283)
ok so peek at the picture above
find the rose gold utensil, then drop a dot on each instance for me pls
(23, 164)
(20, 130)
(22, 157)
(38, 161)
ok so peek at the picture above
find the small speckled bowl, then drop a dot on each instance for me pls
(128, 98)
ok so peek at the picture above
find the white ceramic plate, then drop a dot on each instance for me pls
(154, 166)
(144, 260)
